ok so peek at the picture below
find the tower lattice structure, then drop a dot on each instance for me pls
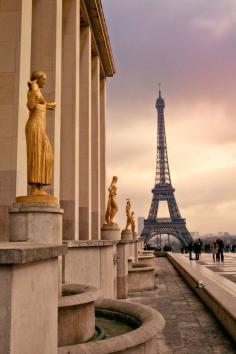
(163, 191)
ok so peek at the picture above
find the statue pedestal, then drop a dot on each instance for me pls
(36, 219)
(110, 232)
(126, 235)
(135, 236)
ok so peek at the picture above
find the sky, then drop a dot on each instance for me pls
(190, 47)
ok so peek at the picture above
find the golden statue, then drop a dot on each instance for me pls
(132, 221)
(128, 214)
(39, 150)
(112, 206)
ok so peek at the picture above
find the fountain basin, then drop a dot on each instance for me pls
(141, 277)
(140, 340)
(150, 253)
(114, 323)
(76, 313)
(143, 258)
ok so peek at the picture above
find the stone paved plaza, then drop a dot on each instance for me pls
(190, 327)
(226, 269)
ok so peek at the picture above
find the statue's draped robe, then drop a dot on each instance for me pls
(128, 215)
(132, 221)
(111, 204)
(39, 151)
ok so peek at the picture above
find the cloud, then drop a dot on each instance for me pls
(216, 27)
(190, 47)
(217, 216)
(211, 189)
(217, 21)
(205, 122)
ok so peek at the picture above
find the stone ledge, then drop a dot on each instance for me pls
(35, 208)
(95, 243)
(141, 269)
(78, 294)
(127, 241)
(88, 243)
(25, 252)
(218, 294)
(143, 256)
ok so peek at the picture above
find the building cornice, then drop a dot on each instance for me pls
(98, 23)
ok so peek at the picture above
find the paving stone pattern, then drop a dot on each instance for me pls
(190, 327)
(226, 269)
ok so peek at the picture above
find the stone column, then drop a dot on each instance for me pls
(85, 135)
(103, 185)
(69, 186)
(15, 46)
(95, 148)
(46, 56)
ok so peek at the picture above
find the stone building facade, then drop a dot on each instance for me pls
(67, 39)
(57, 268)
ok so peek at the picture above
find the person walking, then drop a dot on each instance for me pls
(214, 250)
(221, 247)
(200, 245)
(190, 249)
(196, 248)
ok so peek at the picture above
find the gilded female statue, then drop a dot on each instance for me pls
(132, 221)
(112, 206)
(128, 214)
(39, 150)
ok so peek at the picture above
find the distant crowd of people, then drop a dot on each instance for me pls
(217, 249)
(228, 248)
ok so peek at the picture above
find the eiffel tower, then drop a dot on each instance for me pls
(163, 191)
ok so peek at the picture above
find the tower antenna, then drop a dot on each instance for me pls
(159, 85)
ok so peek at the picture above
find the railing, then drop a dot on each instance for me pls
(163, 221)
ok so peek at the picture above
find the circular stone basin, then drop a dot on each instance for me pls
(139, 265)
(115, 323)
(110, 324)
(136, 334)
(141, 277)
(76, 314)
(147, 259)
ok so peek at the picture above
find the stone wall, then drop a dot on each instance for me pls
(92, 263)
